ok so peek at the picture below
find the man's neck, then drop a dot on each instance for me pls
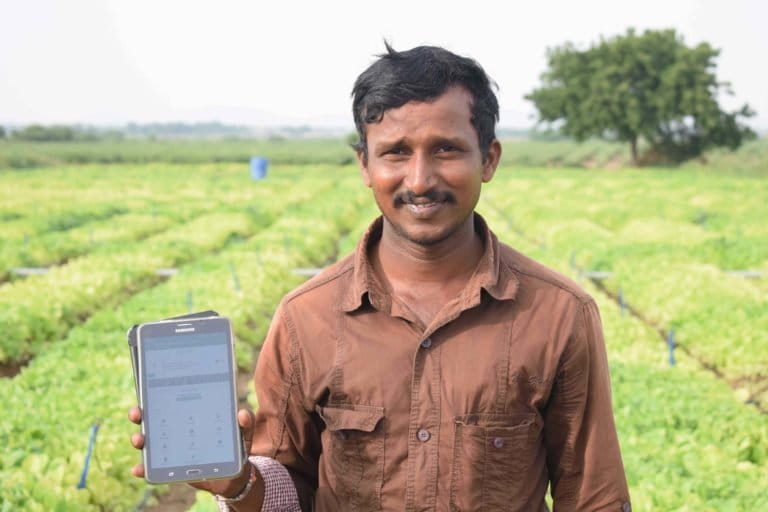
(399, 260)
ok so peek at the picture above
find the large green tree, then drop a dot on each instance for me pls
(648, 86)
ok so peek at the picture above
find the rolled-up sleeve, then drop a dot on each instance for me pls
(285, 428)
(583, 455)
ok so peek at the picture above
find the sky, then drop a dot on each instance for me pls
(266, 63)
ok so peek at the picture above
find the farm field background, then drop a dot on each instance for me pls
(662, 250)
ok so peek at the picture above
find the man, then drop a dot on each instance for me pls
(436, 368)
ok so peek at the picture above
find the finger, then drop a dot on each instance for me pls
(134, 414)
(138, 470)
(137, 440)
(247, 421)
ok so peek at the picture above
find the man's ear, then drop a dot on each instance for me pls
(362, 161)
(491, 160)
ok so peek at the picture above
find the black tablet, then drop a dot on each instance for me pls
(187, 394)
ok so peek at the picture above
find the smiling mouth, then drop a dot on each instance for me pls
(424, 209)
(423, 206)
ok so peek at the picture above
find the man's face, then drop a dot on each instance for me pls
(425, 166)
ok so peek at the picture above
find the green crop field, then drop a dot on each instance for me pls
(676, 258)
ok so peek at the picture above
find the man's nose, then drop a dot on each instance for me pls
(421, 174)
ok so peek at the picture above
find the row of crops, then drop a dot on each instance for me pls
(665, 243)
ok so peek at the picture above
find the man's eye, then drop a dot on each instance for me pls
(446, 148)
(395, 151)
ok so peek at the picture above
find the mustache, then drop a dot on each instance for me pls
(433, 195)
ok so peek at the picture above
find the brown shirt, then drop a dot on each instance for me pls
(505, 391)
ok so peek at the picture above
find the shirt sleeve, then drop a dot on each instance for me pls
(583, 455)
(279, 491)
(286, 427)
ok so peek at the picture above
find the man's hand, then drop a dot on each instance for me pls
(227, 488)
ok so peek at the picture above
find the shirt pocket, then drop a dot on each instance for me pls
(353, 448)
(492, 456)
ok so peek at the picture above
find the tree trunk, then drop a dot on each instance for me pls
(633, 147)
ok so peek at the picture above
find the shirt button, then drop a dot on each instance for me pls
(423, 435)
(498, 442)
(426, 343)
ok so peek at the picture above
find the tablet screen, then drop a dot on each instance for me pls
(189, 406)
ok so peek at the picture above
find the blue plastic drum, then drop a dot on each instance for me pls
(259, 167)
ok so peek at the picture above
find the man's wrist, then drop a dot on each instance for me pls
(240, 486)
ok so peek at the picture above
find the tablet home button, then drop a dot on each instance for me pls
(191, 472)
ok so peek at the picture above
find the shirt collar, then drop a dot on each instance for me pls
(491, 274)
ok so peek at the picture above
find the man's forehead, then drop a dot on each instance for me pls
(449, 114)
(454, 99)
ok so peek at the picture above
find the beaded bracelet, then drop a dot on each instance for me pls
(244, 492)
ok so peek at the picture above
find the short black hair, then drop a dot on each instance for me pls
(421, 74)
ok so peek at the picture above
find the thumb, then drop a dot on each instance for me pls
(247, 422)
